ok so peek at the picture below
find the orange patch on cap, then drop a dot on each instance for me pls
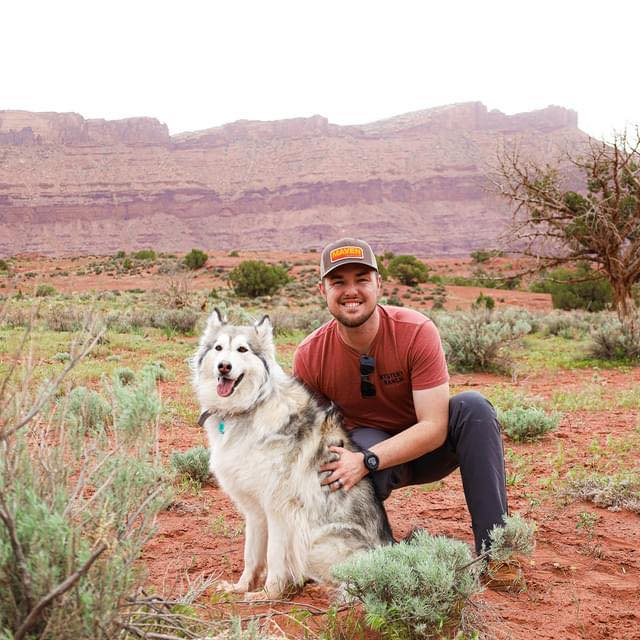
(346, 252)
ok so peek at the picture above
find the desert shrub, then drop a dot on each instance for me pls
(565, 324)
(614, 492)
(62, 356)
(475, 340)
(515, 536)
(415, 589)
(408, 270)
(193, 464)
(4, 265)
(178, 320)
(253, 278)
(286, 321)
(45, 290)
(64, 318)
(136, 405)
(527, 424)
(60, 524)
(611, 340)
(233, 254)
(481, 255)
(87, 410)
(124, 375)
(505, 397)
(145, 254)
(15, 316)
(484, 302)
(119, 255)
(590, 293)
(195, 259)
(157, 370)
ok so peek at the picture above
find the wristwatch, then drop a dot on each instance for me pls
(371, 460)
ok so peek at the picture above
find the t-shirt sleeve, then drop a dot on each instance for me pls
(300, 369)
(427, 362)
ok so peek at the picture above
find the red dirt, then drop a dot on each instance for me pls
(577, 588)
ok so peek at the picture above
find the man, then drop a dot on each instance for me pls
(384, 367)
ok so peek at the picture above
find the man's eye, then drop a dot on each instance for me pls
(218, 347)
(243, 349)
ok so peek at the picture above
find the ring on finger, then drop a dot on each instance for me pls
(339, 482)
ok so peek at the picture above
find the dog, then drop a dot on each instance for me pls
(268, 436)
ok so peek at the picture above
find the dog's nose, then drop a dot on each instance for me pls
(224, 367)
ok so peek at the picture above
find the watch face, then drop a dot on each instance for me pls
(371, 461)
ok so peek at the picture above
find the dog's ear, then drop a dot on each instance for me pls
(264, 327)
(215, 319)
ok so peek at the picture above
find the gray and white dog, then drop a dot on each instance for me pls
(268, 437)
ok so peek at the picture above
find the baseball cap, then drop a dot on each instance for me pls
(346, 251)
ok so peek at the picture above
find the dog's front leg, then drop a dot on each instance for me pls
(255, 554)
(279, 549)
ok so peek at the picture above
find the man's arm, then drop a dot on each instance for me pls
(429, 433)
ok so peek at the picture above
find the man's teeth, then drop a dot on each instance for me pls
(352, 304)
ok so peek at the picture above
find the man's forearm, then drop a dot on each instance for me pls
(410, 444)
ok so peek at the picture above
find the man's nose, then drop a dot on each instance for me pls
(224, 367)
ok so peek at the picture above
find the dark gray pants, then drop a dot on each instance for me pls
(473, 444)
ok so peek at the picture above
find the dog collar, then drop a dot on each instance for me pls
(205, 416)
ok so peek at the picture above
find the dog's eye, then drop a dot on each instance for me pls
(218, 347)
(243, 349)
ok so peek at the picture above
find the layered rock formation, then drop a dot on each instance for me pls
(414, 183)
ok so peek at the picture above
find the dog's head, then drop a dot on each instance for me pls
(233, 365)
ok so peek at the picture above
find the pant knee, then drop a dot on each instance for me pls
(471, 403)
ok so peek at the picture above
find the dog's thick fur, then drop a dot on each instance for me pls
(268, 437)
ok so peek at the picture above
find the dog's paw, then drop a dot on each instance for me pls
(253, 596)
(232, 587)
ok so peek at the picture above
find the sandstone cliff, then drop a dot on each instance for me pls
(414, 183)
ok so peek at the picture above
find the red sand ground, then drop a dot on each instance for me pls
(577, 588)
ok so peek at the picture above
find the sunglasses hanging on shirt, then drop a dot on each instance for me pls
(367, 367)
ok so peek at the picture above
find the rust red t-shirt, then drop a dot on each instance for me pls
(408, 356)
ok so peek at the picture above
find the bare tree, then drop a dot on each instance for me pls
(599, 223)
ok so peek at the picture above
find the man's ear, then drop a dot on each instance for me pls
(321, 287)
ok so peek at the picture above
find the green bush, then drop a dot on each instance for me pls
(476, 340)
(145, 254)
(178, 320)
(76, 515)
(195, 259)
(592, 294)
(120, 254)
(611, 340)
(4, 265)
(253, 278)
(484, 302)
(527, 424)
(415, 589)
(408, 270)
(124, 375)
(137, 405)
(193, 464)
(88, 410)
(45, 290)
(614, 492)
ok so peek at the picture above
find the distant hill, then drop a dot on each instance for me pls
(413, 183)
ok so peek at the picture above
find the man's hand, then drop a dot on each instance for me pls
(346, 471)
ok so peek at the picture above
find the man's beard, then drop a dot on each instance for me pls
(353, 322)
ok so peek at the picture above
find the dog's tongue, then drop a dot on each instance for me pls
(225, 386)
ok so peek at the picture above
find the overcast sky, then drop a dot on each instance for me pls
(195, 64)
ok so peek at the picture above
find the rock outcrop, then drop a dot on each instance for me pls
(414, 183)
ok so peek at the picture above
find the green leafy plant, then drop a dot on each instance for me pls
(408, 270)
(527, 424)
(87, 410)
(255, 278)
(45, 290)
(195, 259)
(193, 464)
(476, 340)
(415, 589)
(145, 254)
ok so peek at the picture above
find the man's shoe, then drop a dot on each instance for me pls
(504, 575)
